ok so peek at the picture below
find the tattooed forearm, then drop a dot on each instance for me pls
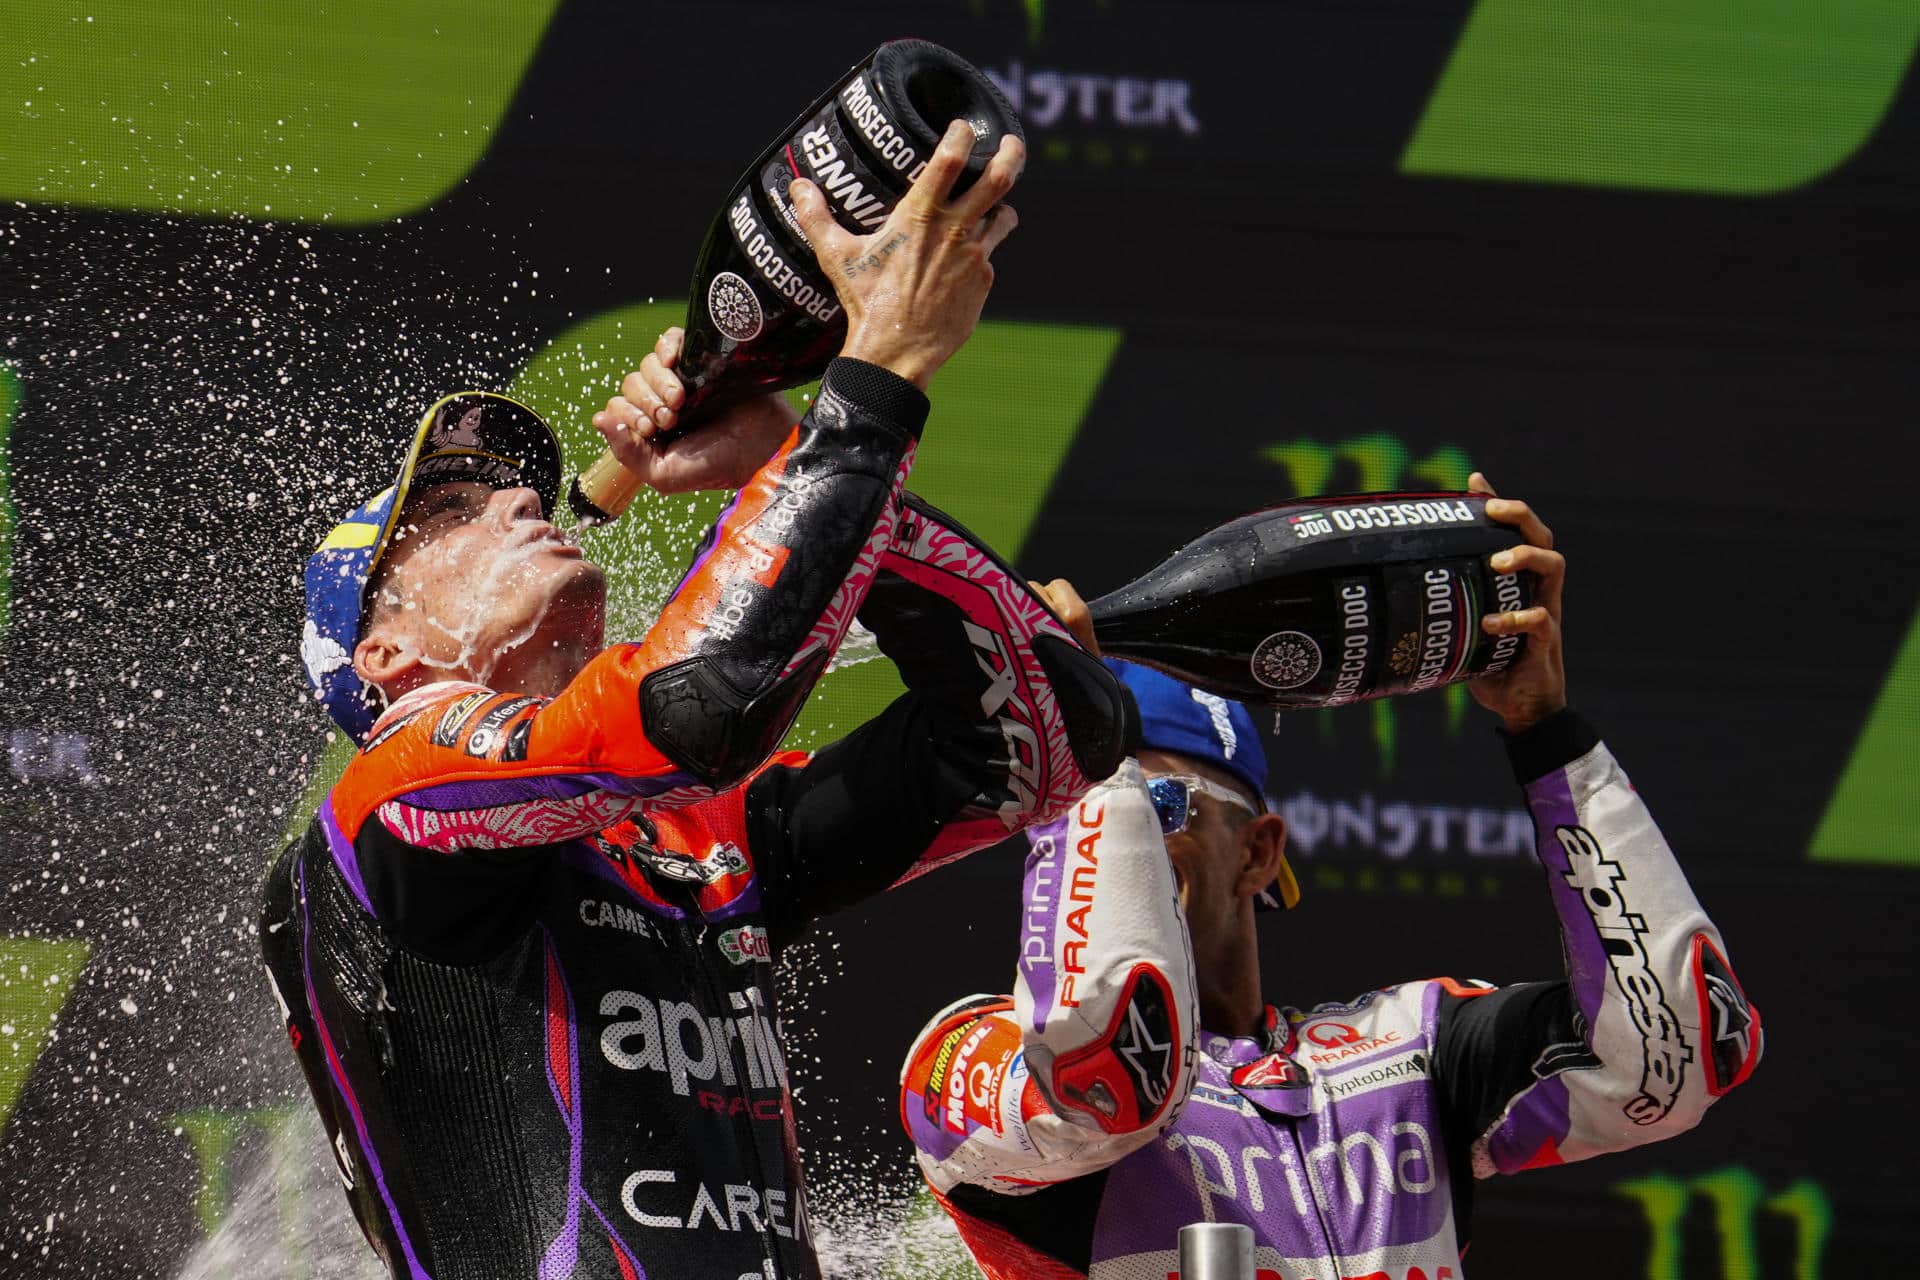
(879, 254)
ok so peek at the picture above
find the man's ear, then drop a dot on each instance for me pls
(381, 658)
(1264, 844)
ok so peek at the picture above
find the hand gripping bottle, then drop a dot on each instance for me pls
(1326, 601)
(760, 313)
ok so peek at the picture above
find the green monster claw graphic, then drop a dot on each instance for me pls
(1378, 463)
(1737, 1197)
(213, 1133)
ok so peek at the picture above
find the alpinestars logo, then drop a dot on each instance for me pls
(1602, 883)
(1145, 1040)
(1730, 1017)
(1150, 1060)
(1731, 1023)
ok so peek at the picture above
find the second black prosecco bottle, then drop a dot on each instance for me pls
(1326, 601)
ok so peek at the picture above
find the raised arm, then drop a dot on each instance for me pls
(1006, 721)
(1095, 1051)
(1650, 1025)
(702, 701)
(1649, 1028)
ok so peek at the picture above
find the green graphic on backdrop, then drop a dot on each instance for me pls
(353, 111)
(1874, 812)
(9, 401)
(215, 1132)
(1739, 99)
(1737, 1198)
(1375, 464)
(36, 976)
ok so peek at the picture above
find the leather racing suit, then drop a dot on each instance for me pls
(1073, 1129)
(524, 950)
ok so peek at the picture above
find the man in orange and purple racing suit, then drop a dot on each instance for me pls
(524, 950)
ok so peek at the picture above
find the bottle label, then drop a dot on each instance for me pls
(1510, 594)
(1353, 675)
(1286, 660)
(1447, 623)
(761, 249)
(735, 307)
(1361, 517)
(1326, 602)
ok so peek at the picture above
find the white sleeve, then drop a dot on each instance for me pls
(1658, 1026)
(1094, 1054)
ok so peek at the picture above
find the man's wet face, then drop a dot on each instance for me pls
(1208, 855)
(474, 572)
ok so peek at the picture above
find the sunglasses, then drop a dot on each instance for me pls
(1172, 795)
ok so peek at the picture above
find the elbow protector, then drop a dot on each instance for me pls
(698, 719)
(1101, 718)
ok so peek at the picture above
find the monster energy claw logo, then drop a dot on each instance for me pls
(1738, 1198)
(1377, 463)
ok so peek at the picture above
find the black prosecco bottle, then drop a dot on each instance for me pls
(1325, 601)
(761, 316)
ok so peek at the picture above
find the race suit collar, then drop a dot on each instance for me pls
(417, 699)
(1233, 1051)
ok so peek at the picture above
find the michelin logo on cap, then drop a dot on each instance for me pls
(1218, 712)
(321, 654)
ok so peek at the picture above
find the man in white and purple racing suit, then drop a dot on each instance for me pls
(1136, 1081)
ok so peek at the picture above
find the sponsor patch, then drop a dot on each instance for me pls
(942, 1064)
(725, 859)
(1145, 1045)
(321, 654)
(695, 1050)
(518, 740)
(454, 719)
(1212, 1095)
(489, 731)
(677, 867)
(1399, 1069)
(1336, 1042)
(746, 945)
(1275, 1071)
(982, 1071)
(396, 725)
(1732, 1024)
